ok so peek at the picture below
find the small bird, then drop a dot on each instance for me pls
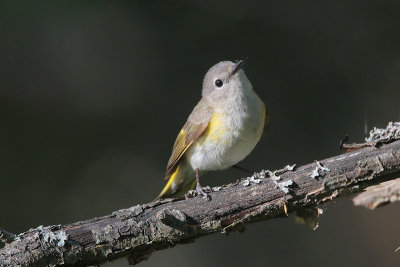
(222, 129)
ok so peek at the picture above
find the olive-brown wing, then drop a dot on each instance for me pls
(194, 127)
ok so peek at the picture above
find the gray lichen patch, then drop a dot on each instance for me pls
(284, 186)
(50, 239)
(216, 188)
(257, 177)
(251, 179)
(61, 237)
(290, 167)
(53, 238)
(319, 171)
(384, 135)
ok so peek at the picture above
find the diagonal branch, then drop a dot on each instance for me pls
(143, 229)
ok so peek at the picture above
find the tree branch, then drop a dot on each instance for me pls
(143, 229)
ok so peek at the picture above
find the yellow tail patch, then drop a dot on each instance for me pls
(168, 185)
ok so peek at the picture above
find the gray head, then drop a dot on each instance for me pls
(224, 79)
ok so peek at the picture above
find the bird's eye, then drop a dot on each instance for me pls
(218, 83)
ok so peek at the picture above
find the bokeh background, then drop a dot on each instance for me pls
(93, 94)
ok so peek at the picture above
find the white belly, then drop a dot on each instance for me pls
(235, 136)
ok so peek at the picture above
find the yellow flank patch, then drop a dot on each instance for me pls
(216, 128)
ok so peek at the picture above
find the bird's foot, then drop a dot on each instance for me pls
(200, 191)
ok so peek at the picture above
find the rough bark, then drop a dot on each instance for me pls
(143, 229)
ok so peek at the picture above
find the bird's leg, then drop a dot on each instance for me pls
(199, 188)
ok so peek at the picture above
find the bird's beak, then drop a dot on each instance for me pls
(236, 67)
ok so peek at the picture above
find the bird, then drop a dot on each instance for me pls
(223, 128)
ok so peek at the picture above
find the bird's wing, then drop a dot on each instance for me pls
(194, 127)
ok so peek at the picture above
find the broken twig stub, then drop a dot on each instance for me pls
(377, 195)
(377, 136)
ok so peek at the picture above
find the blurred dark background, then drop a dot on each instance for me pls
(93, 94)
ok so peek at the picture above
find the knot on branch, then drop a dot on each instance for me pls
(173, 218)
(174, 224)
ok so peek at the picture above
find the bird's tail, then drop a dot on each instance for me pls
(181, 181)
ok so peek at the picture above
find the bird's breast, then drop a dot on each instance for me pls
(231, 135)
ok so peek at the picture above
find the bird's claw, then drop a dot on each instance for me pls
(200, 191)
